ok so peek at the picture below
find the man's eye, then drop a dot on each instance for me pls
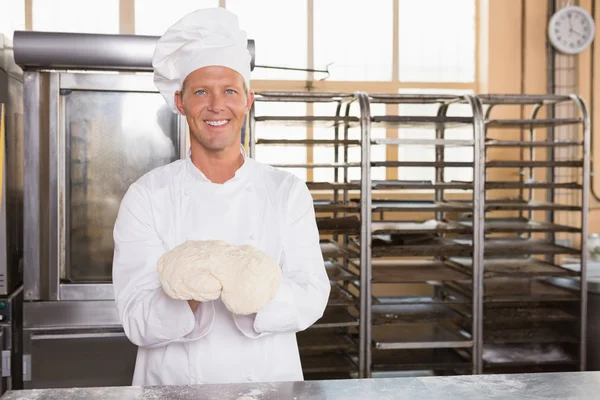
(200, 91)
(230, 91)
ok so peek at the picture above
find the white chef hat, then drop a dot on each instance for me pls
(202, 38)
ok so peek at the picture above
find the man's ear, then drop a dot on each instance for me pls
(179, 102)
(250, 100)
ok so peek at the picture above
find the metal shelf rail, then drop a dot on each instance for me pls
(444, 275)
(331, 347)
(411, 321)
(528, 323)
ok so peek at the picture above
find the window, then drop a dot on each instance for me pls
(153, 18)
(76, 16)
(276, 154)
(325, 155)
(12, 17)
(279, 29)
(436, 46)
(427, 153)
(358, 41)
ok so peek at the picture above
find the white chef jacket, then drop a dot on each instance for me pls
(269, 209)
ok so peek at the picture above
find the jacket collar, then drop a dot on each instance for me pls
(194, 174)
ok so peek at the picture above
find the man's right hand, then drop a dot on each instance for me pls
(193, 305)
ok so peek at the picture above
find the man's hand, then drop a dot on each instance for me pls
(193, 305)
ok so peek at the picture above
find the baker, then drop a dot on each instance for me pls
(202, 68)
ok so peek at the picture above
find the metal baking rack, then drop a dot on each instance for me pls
(527, 322)
(413, 324)
(450, 276)
(331, 347)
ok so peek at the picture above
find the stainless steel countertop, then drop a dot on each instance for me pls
(559, 386)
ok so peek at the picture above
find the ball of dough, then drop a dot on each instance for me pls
(250, 278)
(185, 272)
(245, 277)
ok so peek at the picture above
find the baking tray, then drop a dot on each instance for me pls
(527, 335)
(531, 185)
(333, 185)
(434, 246)
(423, 164)
(327, 362)
(531, 123)
(332, 249)
(307, 142)
(516, 290)
(418, 360)
(515, 314)
(408, 300)
(514, 267)
(514, 247)
(411, 121)
(317, 165)
(338, 225)
(323, 340)
(396, 314)
(525, 354)
(516, 225)
(522, 205)
(422, 98)
(535, 164)
(535, 143)
(390, 185)
(406, 227)
(417, 336)
(512, 99)
(338, 296)
(407, 271)
(335, 317)
(330, 206)
(337, 272)
(305, 120)
(416, 205)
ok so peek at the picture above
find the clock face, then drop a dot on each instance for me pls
(571, 30)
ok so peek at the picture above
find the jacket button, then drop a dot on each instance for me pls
(250, 378)
(251, 237)
(248, 188)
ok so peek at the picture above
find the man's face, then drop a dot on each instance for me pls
(214, 102)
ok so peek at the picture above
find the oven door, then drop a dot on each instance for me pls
(105, 130)
(115, 129)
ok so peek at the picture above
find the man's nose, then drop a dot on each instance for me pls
(217, 103)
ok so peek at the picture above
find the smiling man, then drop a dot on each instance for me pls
(202, 68)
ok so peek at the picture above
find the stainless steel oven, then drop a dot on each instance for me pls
(88, 136)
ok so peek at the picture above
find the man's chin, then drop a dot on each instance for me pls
(216, 147)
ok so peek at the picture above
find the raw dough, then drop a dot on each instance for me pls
(245, 277)
(184, 273)
(250, 278)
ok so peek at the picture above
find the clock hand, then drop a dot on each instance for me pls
(570, 24)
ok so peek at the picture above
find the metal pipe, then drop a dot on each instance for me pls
(252, 132)
(550, 83)
(478, 229)
(585, 195)
(365, 237)
(35, 49)
(439, 157)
